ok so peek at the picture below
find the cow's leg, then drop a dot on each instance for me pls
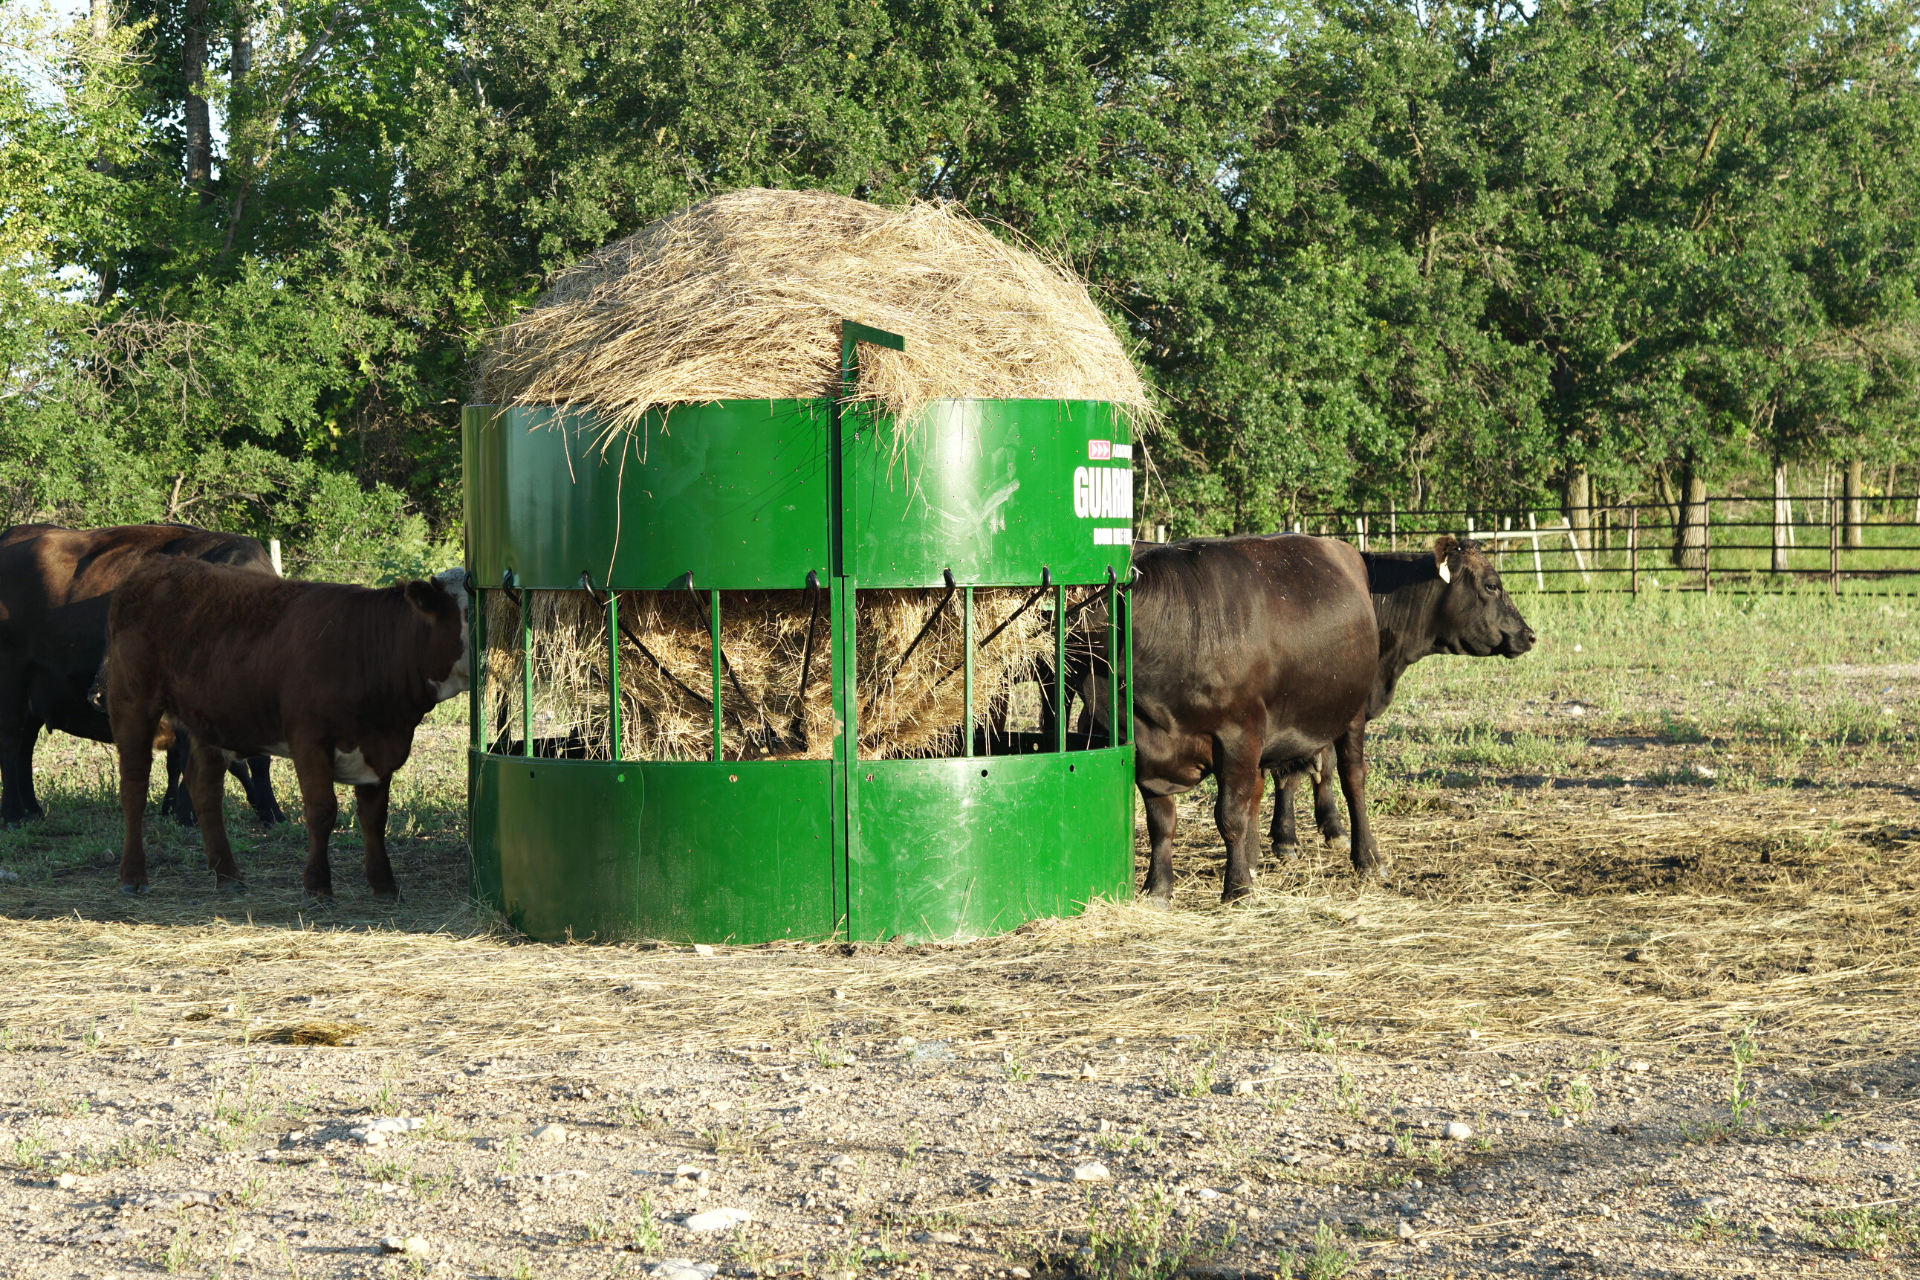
(178, 798)
(1281, 835)
(18, 728)
(372, 803)
(313, 768)
(207, 784)
(256, 778)
(1163, 819)
(1236, 809)
(1326, 814)
(133, 729)
(1351, 748)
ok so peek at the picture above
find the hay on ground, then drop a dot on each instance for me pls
(740, 297)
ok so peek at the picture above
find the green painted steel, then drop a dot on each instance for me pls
(747, 495)
(969, 847)
(737, 494)
(675, 851)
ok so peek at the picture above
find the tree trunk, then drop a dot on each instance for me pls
(100, 20)
(199, 125)
(1782, 518)
(1580, 506)
(99, 28)
(1690, 546)
(242, 61)
(1854, 516)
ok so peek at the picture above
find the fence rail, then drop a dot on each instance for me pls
(1728, 542)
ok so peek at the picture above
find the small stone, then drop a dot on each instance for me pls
(1087, 1072)
(1091, 1172)
(1854, 1090)
(1640, 1066)
(1254, 1214)
(936, 1237)
(838, 993)
(175, 1043)
(1405, 1230)
(550, 1133)
(411, 1246)
(1870, 1144)
(1242, 1088)
(66, 1182)
(683, 1269)
(1020, 1273)
(717, 1219)
(702, 949)
(1454, 1131)
(841, 1161)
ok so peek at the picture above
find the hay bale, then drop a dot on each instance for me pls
(739, 298)
(666, 676)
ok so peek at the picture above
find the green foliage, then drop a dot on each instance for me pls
(1442, 254)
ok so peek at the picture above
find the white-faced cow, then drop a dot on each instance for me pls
(335, 678)
(55, 588)
(1248, 653)
(1449, 600)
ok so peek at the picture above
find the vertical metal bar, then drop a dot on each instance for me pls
(966, 667)
(526, 672)
(843, 619)
(1113, 660)
(477, 667)
(613, 671)
(1126, 643)
(1059, 668)
(713, 635)
(1633, 551)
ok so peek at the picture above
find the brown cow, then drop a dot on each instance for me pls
(335, 678)
(55, 586)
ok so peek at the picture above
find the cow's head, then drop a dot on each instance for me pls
(444, 600)
(1476, 616)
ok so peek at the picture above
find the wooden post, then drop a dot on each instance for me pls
(1539, 577)
(1633, 550)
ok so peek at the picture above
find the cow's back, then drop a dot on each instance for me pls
(1274, 635)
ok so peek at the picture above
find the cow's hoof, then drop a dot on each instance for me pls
(394, 896)
(133, 890)
(1287, 852)
(234, 887)
(1157, 903)
(1339, 844)
(1235, 893)
(317, 901)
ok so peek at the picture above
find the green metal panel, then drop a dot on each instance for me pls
(735, 492)
(739, 852)
(963, 848)
(992, 489)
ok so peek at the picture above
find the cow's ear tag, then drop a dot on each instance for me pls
(1446, 574)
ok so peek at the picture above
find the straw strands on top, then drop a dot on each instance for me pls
(739, 297)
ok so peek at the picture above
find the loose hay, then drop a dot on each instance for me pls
(739, 298)
(666, 675)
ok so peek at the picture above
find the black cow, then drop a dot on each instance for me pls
(55, 588)
(336, 678)
(1449, 600)
(1248, 654)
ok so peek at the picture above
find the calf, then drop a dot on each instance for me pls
(1449, 600)
(1248, 654)
(335, 678)
(55, 587)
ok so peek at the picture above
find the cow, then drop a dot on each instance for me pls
(1448, 600)
(335, 678)
(1249, 653)
(55, 588)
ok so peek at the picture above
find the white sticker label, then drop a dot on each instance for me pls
(1122, 450)
(1105, 537)
(1103, 493)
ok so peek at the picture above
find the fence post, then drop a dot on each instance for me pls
(273, 554)
(1539, 578)
(1633, 550)
(1706, 545)
(1833, 547)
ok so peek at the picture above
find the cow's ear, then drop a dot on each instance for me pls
(1443, 547)
(421, 595)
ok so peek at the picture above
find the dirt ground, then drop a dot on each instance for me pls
(1638, 1002)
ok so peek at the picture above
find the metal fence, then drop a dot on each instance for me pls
(1730, 542)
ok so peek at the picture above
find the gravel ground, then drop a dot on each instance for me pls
(1136, 1158)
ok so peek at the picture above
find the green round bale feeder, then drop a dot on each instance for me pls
(1005, 815)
